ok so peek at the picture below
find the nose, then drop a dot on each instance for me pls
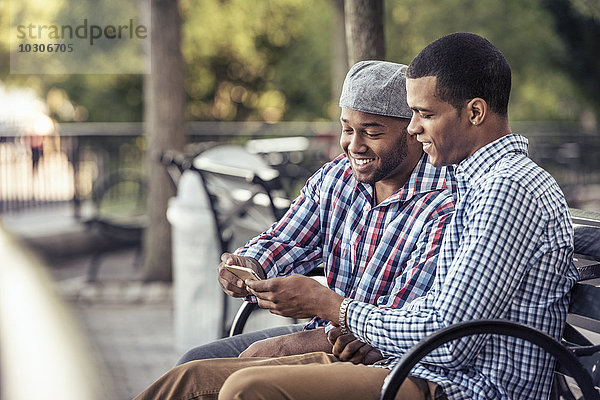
(352, 142)
(414, 128)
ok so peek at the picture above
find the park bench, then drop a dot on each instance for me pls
(118, 215)
(578, 358)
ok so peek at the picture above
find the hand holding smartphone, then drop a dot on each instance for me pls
(242, 272)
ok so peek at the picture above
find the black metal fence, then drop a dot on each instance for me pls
(37, 171)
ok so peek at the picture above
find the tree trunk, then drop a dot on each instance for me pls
(339, 57)
(364, 30)
(164, 125)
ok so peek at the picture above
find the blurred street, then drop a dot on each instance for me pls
(129, 323)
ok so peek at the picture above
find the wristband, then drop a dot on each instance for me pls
(343, 311)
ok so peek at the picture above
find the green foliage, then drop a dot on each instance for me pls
(522, 30)
(271, 59)
(115, 98)
(265, 60)
(77, 97)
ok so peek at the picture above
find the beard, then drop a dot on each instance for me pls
(390, 160)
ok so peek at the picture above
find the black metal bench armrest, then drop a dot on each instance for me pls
(241, 317)
(501, 327)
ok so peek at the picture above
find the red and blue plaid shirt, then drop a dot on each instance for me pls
(374, 254)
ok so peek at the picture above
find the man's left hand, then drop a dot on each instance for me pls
(296, 296)
(346, 347)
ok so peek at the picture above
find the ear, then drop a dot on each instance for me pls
(477, 109)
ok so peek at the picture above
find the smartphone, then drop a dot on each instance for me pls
(242, 272)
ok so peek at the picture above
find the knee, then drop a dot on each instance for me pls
(186, 357)
(246, 384)
(204, 352)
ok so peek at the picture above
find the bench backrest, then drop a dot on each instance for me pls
(584, 306)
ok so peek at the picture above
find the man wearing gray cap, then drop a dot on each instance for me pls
(374, 217)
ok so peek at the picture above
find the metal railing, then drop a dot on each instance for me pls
(64, 167)
(36, 171)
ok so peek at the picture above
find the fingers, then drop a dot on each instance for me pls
(373, 355)
(271, 295)
(242, 261)
(348, 348)
(272, 285)
(333, 334)
(268, 301)
(268, 305)
(227, 258)
(267, 292)
(340, 344)
(352, 352)
(231, 284)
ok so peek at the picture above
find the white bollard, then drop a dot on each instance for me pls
(196, 251)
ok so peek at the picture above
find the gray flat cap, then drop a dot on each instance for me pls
(376, 87)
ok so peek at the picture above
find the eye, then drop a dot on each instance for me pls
(425, 116)
(373, 135)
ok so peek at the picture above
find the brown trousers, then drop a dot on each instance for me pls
(306, 376)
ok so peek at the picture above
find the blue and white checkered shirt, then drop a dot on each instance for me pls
(506, 254)
(375, 254)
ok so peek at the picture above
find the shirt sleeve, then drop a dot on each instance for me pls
(419, 271)
(293, 244)
(501, 239)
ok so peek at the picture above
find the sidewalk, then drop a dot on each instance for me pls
(129, 323)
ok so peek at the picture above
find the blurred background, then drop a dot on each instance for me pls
(76, 149)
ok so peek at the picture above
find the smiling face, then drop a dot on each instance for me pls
(441, 128)
(378, 148)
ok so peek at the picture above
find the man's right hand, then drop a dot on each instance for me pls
(231, 284)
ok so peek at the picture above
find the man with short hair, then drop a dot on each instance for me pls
(506, 254)
(373, 217)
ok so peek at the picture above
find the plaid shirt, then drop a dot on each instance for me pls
(506, 254)
(377, 254)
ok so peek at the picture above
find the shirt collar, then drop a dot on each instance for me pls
(423, 179)
(480, 162)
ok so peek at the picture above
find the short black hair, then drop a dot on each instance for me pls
(466, 66)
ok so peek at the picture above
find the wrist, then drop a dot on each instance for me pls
(330, 309)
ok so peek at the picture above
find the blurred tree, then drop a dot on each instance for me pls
(578, 23)
(164, 117)
(272, 60)
(267, 60)
(83, 97)
(95, 98)
(339, 56)
(523, 30)
(364, 30)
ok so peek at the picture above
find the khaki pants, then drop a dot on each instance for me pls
(306, 376)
